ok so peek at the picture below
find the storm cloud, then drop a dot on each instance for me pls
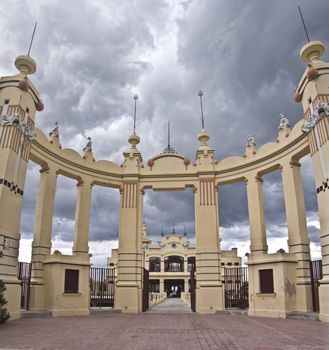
(93, 56)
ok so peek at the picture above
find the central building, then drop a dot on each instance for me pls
(170, 262)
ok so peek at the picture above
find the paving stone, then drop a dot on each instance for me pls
(160, 331)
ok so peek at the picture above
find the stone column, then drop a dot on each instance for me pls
(185, 264)
(41, 244)
(129, 285)
(162, 264)
(186, 284)
(208, 288)
(258, 243)
(82, 218)
(298, 240)
(322, 188)
(161, 285)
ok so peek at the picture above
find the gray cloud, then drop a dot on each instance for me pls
(92, 58)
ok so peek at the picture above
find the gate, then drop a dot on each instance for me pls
(145, 300)
(102, 286)
(236, 287)
(316, 275)
(192, 288)
(24, 275)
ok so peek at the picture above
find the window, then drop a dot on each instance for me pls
(154, 286)
(174, 264)
(5, 107)
(154, 265)
(71, 284)
(236, 264)
(190, 263)
(222, 264)
(111, 264)
(229, 264)
(266, 281)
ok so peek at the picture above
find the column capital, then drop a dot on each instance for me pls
(294, 162)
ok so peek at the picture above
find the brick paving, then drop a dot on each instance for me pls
(156, 331)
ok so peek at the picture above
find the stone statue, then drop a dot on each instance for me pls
(11, 119)
(55, 132)
(284, 122)
(29, 133)
(321, 112)
(88, 147)
(251, 141)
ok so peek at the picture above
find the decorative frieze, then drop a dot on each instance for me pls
(12, 186)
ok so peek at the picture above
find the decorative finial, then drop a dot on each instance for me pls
(162, 233)
(24, 63)
(284, 122)
(31, 42)
(168, 149)
(200, 94)
(88, 147)
(185, 233)
(173, 227)
(135, 106)
(251, 141)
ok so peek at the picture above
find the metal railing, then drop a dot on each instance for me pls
(236, 287)
(102, 286)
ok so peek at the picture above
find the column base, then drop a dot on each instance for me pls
(324, 301)
(128, 298)
(304, 297)
(209, 299)
(13, 296)
(37, 297)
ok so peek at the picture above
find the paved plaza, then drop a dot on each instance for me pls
(166, 330)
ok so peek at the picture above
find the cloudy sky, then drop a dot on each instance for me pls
(93, 56)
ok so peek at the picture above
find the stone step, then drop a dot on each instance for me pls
(35, 314)
(233, 312)
(104, 311)
(310, 316)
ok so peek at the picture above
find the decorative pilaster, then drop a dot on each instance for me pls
(258, 243)
(41, 244)
(298, 240)
(18, 103)
(208, 281)
(129, 285)
(312, 92)
(82, 218)
(208, 288)
(44, 211)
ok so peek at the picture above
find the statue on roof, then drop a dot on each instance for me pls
(251, 141)
(284, 122)
(55, 131)
(88, 147)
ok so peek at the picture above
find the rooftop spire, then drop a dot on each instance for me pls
(135, 106)
(31, 42)
(200, 94)
(168, 149)
(302, 18)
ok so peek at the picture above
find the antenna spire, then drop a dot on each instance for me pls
(200, 94)
(302, 18)
(168, 149)
(31, 42)
(135, 98)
